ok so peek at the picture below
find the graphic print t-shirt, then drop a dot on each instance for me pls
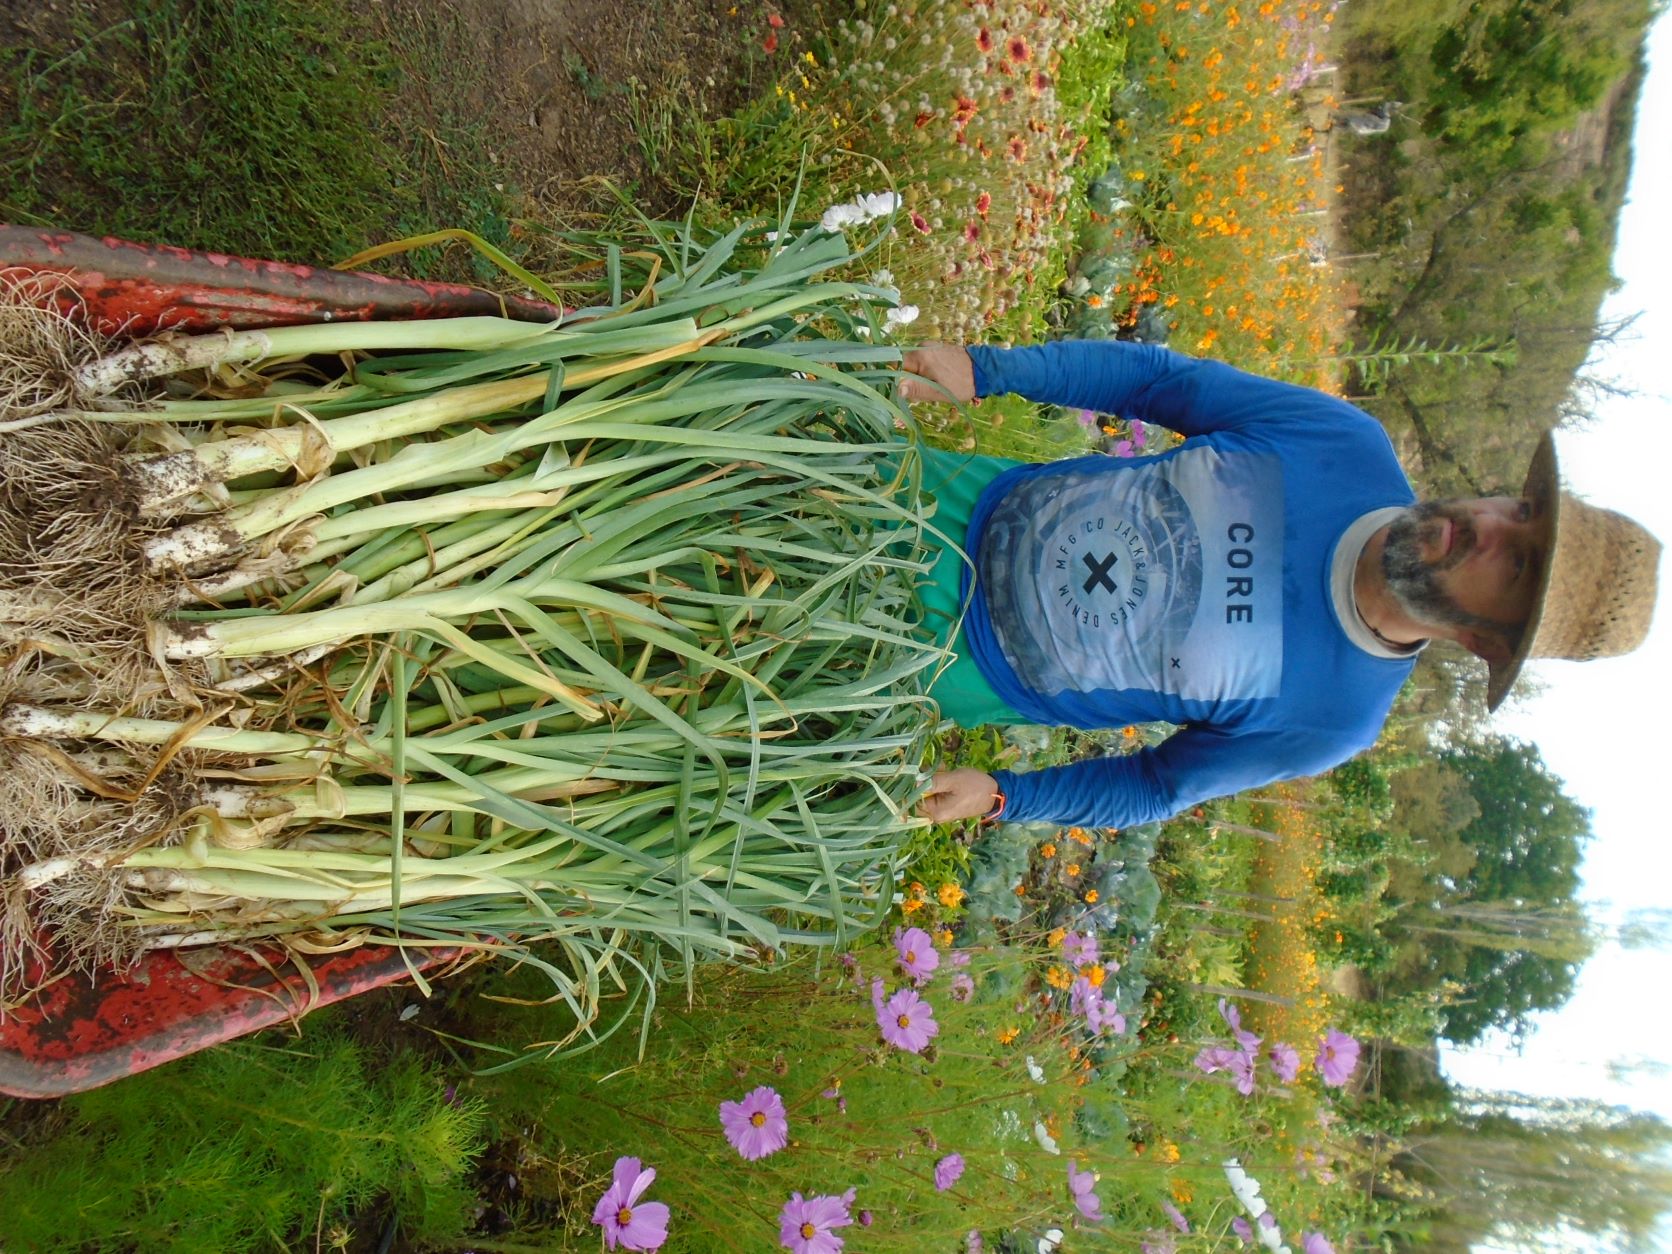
(1164, 577)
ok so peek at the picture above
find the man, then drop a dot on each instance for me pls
(1266, 586)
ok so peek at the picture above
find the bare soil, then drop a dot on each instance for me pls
(537, 97)
(552, 82)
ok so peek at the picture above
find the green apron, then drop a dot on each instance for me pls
(954, 481)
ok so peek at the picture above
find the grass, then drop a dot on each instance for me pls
(262, 127)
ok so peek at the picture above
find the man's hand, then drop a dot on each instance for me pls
(960, 794)
(945, 365)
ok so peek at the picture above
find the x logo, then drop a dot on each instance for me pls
(1100, 567)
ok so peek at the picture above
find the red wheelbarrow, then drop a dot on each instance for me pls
(83, 1030)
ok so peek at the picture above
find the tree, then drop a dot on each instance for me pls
(1519, 1168)
(1504, 922)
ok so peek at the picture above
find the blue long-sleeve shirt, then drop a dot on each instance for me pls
(1193, 587)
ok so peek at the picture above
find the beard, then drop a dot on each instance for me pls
(1414, 581)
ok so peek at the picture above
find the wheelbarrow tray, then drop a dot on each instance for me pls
(85, 1029)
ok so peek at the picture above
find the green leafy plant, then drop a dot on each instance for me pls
(252, 1146)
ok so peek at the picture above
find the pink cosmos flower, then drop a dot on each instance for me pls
(619, 1213)
(1316, 1243)
(1233, 1017)
(1243, 1229)
(1285, 1061)
(1081, 994)
(1337, 1058)
(947, 1171)
(1177, 1216)
(1160, 1242)
(918, 957)
(805, 1224)
(963, 987)
(907, 1021)
(1079, 950)
(1239, 1063)
(1101, 1015)
(1080, 1186)
(757, 1125)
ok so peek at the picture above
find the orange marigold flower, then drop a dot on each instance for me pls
(1071, 870)
(1129, 731)
(1047, 850)
(1009, 1034)
(910, 906)
(950, 894)
(1058, 977)
(1091, 897)
(1094, 976)
(1054, 937)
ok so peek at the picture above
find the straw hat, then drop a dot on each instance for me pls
(1597, 589)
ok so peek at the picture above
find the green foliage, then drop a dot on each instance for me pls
(1376, 360)
(1517, 1168)
(251, 1146)
(861, 1114)
(245, 126)
(1513, 69)
(1362, 785)
(1491, 222)
(1493, 906)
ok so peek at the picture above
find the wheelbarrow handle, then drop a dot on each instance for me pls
(121, 288)
(80, 1031)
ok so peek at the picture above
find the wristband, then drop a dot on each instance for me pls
(999, 802)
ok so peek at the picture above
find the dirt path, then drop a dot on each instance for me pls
(555, 83)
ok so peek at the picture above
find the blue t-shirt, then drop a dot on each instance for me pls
(1191, 587)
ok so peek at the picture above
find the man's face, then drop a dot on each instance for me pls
(1471, 564)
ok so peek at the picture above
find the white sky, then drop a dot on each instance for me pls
(1602, 726)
